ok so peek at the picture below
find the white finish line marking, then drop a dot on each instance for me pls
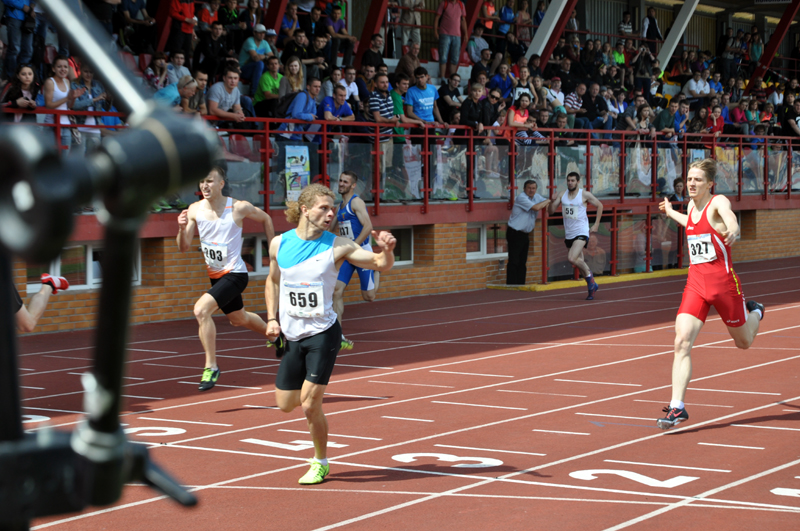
(473, 374)
(406, 418)
(478, 405)
(737, 392)
(732, 446)
(599, 383)
(486, 449)
(364, 367)
(230, 386)
(765, 427)
(415, 384)
(687, 403)
(535, 393)
(562, 432)
(262, 407)
(22, 369)
(186, 422)
(665, 466)
(143, 397)
(335, 435)
(613, 416)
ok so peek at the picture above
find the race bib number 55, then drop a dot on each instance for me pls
(216, 255)
(701, 249)
(570, 212)
(303, 300)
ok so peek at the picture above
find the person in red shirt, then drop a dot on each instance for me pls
(182, 28)
(714, 123)
(711, 229)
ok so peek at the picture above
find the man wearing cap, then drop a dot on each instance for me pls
(251, 58)
(171, 94)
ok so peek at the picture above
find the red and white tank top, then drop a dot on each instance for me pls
(221, 241)
(707, 250)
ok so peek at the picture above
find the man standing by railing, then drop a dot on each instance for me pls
(520, 225)
(650, 29)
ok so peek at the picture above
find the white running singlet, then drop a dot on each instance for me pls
(221, 241)
(576, 222)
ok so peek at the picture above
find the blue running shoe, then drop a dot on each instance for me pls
(593, 287)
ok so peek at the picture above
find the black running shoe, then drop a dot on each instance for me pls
(280, 345)
(674, 417)
(753, 306)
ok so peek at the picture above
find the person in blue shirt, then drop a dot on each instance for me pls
(420, 100)
(19, 48)
(681, 117)
(251, 59)
(503, 81)
(171, 94)
(335, 108)
(303, 107)
(508, 16)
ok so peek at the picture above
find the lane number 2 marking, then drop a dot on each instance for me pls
(589, 475)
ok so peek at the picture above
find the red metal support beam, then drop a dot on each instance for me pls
(559, 29)
(774, 43)
(473, 8)
(275, 12)
(373, 24)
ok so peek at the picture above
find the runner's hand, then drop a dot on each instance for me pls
(183, 219)
(665, 206)
(384, 240)
(273, 330)
(730, 237)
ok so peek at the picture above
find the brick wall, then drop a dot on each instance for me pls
(767, 234)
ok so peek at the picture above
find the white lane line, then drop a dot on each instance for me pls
(173, 366)
(358, 396)
(487, 450)
(305, 432)
(186, 422)
(687, 403)
(478, 405)
(407, 418)
(51, 409)
(270, 373)
(156, 351)
(764, 427)
(666, 466)
(599, 383)
(68, 358)
(562, 432)
(143, 397)
(736, 392)
(364, 367)
(29, 387)
(535, 393)
(414, 384)
(261, 407)
(22, 369)
(132, 378)
(604, 416)
(732, 446)
(792, 410)
(474, 374)
(231, 386)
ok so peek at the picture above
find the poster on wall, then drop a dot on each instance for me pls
(297, 171)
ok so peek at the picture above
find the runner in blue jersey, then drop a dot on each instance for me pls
(352, 222)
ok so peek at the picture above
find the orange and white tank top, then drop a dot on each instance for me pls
(221, 241)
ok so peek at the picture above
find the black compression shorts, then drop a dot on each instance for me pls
(227, 291)
(569, 242)
(312, 358)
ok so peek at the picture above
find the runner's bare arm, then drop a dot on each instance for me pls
(731, 232)
(551, 209)
(666, 208)
(186, 225)
(378, 261)
(259, 216)
(360, 209)
(592, 200)
(272, 289)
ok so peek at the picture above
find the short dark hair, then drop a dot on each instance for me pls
(378, 76)
(231, 68)
(626, 13)
(574, 174)
(311, 79)
(216, 23)
(420, 71)
(400, 77)
(376, 36)
(336, 7)
(299, 30)
(173, 53)
(199, 70)
(455, 74)
(316, 8)
(529, 181)
(351, 174)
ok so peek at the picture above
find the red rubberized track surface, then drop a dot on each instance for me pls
(479, 410)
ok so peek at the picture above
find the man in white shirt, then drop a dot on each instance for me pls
(520, 225)
(555, 98)
(696, 90)
(349, 82)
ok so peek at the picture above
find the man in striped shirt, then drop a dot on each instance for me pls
(574, 105)
(381, 111)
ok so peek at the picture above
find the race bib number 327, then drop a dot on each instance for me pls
(701, 249)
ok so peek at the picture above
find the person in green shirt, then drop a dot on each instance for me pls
(665, 121)
(401, 82)
(267, 92)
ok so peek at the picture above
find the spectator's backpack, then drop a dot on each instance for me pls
(282, 107)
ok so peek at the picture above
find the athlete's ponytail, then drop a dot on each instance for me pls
(308, 197)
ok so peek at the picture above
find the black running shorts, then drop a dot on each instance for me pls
(227, 291)
(311, 359)
(569, 242)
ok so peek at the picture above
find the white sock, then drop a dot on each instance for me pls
(323, 462)
(676, 403)
(758, 311)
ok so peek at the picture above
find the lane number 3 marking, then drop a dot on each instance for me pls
(471, 462)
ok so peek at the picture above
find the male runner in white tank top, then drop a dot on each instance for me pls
(576, 225)
(305, 263)
(219, 221)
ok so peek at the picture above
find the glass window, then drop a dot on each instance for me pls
(496, 238)
(474, 240)
(249, 253)
(264, 253)
(34, 272)
(404, 250)
(73, 265)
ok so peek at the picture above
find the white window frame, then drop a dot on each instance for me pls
(258, 269)
(400, 262)
(482, 254)
(91, 282)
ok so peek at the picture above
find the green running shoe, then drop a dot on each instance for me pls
(210, 377)
(346, 344)
(279, 344)
(315, 474)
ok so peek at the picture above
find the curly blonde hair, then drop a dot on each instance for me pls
(308, 197)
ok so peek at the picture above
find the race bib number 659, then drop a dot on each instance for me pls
(303, 300)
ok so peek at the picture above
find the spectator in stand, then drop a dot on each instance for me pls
(313, 26)
(520, 225)
(483, 66)
(493, 106)
(732, 89)
(572, 25)
(507, 16)
(318, 57)
(173, 94)
(621, 62)
(625, 28)
(92, 97)
(450, 97)
(606, 55)
(209, 13)
(756, 51)
(564, 72)
(650, 30)
(525, 86)
(697, 91)
(642, 65)
(366, 84)
(540, 93)
(588, 56)
(613, 106)
(714, 123)
(780, 115)
(156, 72)
(725, 103)
(59, 95)
(304, 108)
(21, 94)
(768, 115)
(473, 110)
(698, 125)
(182, 28)
(597, 113)
(381, 111)
(665, 121)
(448, 26)
(627, 120)
(753, 114)
(19, 48)
(682, 118)
(543, 118)
(401, 83)
(293, 80)
(614, 80)
(409, 62)
(555, 98)
(722, 43)
(575, 109)
(523, 22)
(535, 65)
(329, 84)
(565, 138)
(289, 24)
(794, 87)
(197, 104)
(412, 19)
(374, 55)
(349, 82)
(502, 81)
(791, 125)
(538, 16)
(483, 80)
(251, 59)
(225, 100)
(489, 20)
(341, 40)
(212, 51)
(234, 28)
(335, 108)
(644, 119)
(140, 26)
(715, 83)
(777, 95)
(679, 194)
(175, 68)
(559, 52)
(758, 91)
(268, 90)
(251, 16)
(420, 104)
(739, 117)
(523, 124)
(681, 69)
(476, 43)
(297, 47)
(573, 53)
(515, 50)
